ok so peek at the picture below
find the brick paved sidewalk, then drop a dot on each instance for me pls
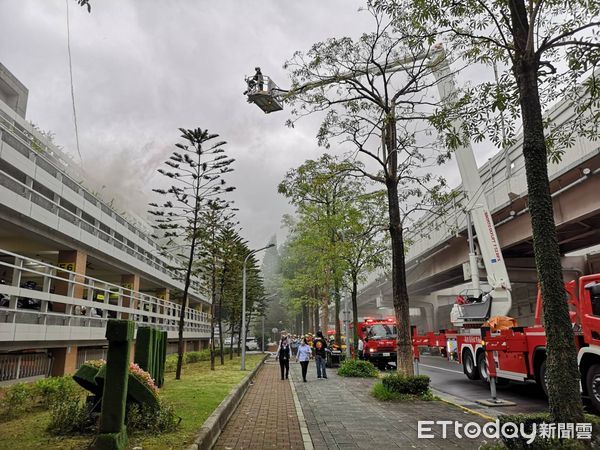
(340, 413)
(265, 418)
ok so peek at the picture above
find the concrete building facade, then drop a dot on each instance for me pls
(69, 261)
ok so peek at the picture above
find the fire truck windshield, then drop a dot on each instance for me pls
(381, 331)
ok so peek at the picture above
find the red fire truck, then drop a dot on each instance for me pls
(379, 337)
(519, 353)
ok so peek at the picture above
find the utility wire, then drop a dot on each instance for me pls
(71, 77)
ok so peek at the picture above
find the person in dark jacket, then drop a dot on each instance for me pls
(283, 354)
(320, 346)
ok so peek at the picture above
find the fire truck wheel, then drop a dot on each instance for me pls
(593, 385)
(469, 366)
(482, 367)
(541, 379)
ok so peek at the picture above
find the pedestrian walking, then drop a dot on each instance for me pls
(303, 356)
(294, 345)
(283, 354)
(361, 346)
(320, 346)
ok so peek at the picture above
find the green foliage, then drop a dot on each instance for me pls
(54, 389)
(21, 398)
(18, 399)
(382, 392)
(357, 368)
(191, 357)
(152, 420)
(71, 416)
(528, 420)
(402, 384)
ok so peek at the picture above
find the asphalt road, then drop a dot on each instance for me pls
(448, 377)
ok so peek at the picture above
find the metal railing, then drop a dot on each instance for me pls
(31, 309)
(28, 142)
(24, 366)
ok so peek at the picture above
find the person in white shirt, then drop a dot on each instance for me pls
(361, 346)
(304, 354)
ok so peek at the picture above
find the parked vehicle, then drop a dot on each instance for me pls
(251, 343)
(379, 337)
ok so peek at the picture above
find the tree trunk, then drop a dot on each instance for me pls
(404, 359)
(355, 313)
(221, 345)
(324, 313)
(231, 341)
(305, 320)
(311, 317)
(186, 288)
(316, 319)
(239, 348)
(338, 328)
(562, 373)
(220, 315)
(561, 364)
(212, 337)
(213, 295)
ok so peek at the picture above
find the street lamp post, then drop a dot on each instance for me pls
(243, 337)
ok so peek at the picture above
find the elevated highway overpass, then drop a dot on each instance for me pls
(439, 246)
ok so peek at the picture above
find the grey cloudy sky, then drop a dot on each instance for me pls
(144, 68)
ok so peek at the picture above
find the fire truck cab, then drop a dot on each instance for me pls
(379, 337)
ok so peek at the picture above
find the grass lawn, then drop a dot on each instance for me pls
(194, 397)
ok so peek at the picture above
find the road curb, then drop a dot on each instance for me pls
(306, 439)
(210, 431)
(445, 398)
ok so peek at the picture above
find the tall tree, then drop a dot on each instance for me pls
(322, 193)
(229, 279)
(216, 217)
(550, 49)
(196, 172)
(364, 249)
(374, 91)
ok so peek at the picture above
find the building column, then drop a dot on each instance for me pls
(164, 294)
(73, 261)
(64, 360)
(132, 282)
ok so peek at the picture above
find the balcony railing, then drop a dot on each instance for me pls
(26, 141)
(31, 310)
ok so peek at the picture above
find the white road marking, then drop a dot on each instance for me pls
(439, 368)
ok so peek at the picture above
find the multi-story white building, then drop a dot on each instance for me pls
(69, 262)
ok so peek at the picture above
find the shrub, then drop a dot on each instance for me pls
(357, 368)
(18, 399)
(382, 392)
(411, 385)
(528, 420)
(152, 420)
(71, 416)
(54, 389)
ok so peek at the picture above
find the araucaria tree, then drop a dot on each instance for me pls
(215, 218)
(551, 50)
(374, 90)
(196, 172)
